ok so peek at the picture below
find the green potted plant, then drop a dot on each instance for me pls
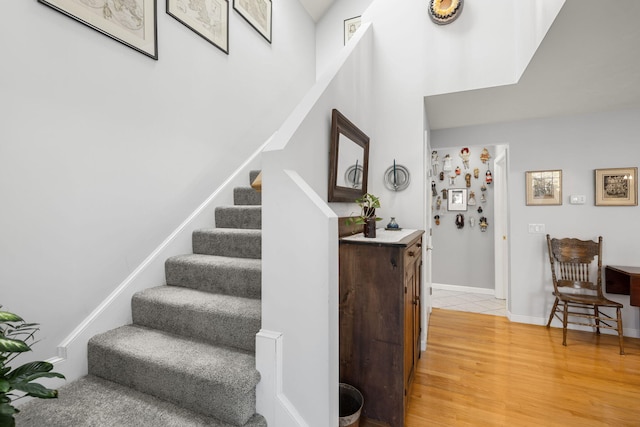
(368, 204)
(16, 337)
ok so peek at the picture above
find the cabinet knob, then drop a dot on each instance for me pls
(416, 300)
(411, 253)
(419, 245)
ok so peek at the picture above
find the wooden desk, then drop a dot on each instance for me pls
(623, 280)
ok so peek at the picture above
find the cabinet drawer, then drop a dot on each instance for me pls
(413, 253)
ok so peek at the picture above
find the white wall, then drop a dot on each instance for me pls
(486, 46)
(577, 145)
(104, 151)
(330, 30)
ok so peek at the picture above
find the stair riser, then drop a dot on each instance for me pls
(212, 242)
(243, 196)
(239, 217)
(242, 282)
(237, 330)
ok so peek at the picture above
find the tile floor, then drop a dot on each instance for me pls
(466, 301)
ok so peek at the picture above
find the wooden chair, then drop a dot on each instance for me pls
(577, 295)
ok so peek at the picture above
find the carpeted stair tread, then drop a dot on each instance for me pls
(214, 381)
(253, 175)
(216, 274)
(215, 318)
(96, 402)
(238, 217)
(246, 196)
(230, 242)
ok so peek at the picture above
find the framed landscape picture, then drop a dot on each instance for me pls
(257, 13)
(207, 18)
(350, 27)
(132, 22)
(544, 188)
(617, 187)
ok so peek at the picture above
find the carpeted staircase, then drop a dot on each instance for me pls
(188, 359)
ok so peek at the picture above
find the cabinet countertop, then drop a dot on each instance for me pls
(385, 237)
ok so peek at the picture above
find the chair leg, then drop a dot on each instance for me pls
(553, 312)
(597, 315)
(565, 318)
(620, 336)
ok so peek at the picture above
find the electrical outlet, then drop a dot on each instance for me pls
(536, 228)
(577, 199)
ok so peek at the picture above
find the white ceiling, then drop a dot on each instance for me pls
(589, 61)
(316, 8)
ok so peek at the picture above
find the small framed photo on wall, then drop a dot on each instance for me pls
(351, 25)
(617, 187)
(457, 200)
(544, 188)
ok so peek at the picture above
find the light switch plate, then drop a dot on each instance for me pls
(536, 228)
(577, 199)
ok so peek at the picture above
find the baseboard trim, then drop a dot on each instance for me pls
(459, 288)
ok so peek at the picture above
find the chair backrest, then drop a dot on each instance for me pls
(572, 264)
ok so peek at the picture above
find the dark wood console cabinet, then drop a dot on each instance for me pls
(380, 282)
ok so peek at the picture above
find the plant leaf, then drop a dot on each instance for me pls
(28, 369)
(5, 316)
(7, 409)
(5, 385)
(13, 346)
(37, 390)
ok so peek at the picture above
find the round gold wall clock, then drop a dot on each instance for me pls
(445, 11)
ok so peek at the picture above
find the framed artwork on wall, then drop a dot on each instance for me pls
(209, 19)
(350, 27)
(257, 13)
(617, 187)
(457, 199)
(544, 188)
(132, 23)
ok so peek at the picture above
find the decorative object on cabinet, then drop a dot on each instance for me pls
(349, 147)
(368, 204)
(616, 187)
(460, 221)
(393, 225)
(457, 199)
(484, 155)
(445, 11)
(396, 177)
(351, 25)
(483, 224)
(210, 22)
(544, 188)
(257, 13)
(132, 23)
(465, 154)
(380, 320)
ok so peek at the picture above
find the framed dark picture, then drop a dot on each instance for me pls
(350, 27)
(617, 187)
(457, 199)
(132, 22)
(257, 13)
(207, 18)
(544, 188)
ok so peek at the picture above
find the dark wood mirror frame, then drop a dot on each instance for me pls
(340, 125)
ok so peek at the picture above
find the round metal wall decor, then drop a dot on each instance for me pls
(445, 11)
(396, 178)
(353, 176)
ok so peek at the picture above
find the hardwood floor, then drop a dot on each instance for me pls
(482, 370)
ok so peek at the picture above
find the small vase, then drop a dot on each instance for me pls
(393, 224)
(370, 228)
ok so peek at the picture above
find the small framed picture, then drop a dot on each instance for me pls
(544, 188)
(617, 187)
(132, 23)
(350, 27)
(257, 13)
(209, 19)
(457, 200)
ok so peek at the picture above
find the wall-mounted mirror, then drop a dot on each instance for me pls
(349, 160)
